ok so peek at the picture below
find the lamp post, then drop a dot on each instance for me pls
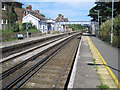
(98, 19)
(111, 41)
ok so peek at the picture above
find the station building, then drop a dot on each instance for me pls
(36, 18)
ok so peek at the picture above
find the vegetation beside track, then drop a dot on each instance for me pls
(105, 31)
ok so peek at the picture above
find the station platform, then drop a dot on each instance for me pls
(8, 43)
(88, 69)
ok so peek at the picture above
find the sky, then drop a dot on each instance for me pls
(74, 11)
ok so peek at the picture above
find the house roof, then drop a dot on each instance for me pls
(61, 19)
(36, 14)
(39, 17)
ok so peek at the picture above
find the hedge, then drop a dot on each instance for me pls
(105, 31)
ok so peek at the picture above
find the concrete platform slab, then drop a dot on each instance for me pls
(85, 75)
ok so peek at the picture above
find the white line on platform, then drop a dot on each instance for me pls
(72, 77)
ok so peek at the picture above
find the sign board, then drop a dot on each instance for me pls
(20, 36)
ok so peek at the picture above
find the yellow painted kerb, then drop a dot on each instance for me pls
(104, 62)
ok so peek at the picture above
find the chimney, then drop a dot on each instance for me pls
(59, 15)
(29, 7)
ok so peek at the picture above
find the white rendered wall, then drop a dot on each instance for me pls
(32, 20)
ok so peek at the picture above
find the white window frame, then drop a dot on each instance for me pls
(4, 7)
(6, 21)
(2, 21)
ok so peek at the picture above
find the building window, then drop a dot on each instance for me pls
(28, 12)
(24, 12)
(2, 21)
(30, 21)
(6, 21)
(3, 6)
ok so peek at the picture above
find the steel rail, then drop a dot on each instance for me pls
(32, 68)
(64, 67)
(18, 66)
(30, 50)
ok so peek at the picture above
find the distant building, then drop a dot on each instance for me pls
(6, 10)
(36, 18)
(39, 22)
(61, 18)
(59, 27)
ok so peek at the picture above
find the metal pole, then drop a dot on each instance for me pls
(27, 30)
(98, 22)
(112, 22)
(101, 19)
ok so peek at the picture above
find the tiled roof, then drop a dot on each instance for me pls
(61, 19)
(36, 14)
(58, 19)
(40, 17)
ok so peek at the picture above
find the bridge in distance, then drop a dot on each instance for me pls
(91, 24)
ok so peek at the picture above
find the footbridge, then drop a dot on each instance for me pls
(61, 25)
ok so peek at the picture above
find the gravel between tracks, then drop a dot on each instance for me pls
(47, 76)
(11, 77)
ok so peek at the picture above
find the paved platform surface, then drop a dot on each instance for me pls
(90, 76)
(85, 75)
(105, 73)
(109, 53)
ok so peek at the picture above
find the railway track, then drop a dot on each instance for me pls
(32, 67)
(9, 50)
(55, 73)
(9, 66)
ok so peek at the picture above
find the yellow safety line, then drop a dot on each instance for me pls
(109, 70)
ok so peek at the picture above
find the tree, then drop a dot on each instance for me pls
(78, 27)
(105, 9)
(30, 26)
(13, 18)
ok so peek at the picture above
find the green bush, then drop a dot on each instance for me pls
(105, 31)
(34, 30)
(29, 25)
(15, 27)
(117, 26)
(6, 31)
